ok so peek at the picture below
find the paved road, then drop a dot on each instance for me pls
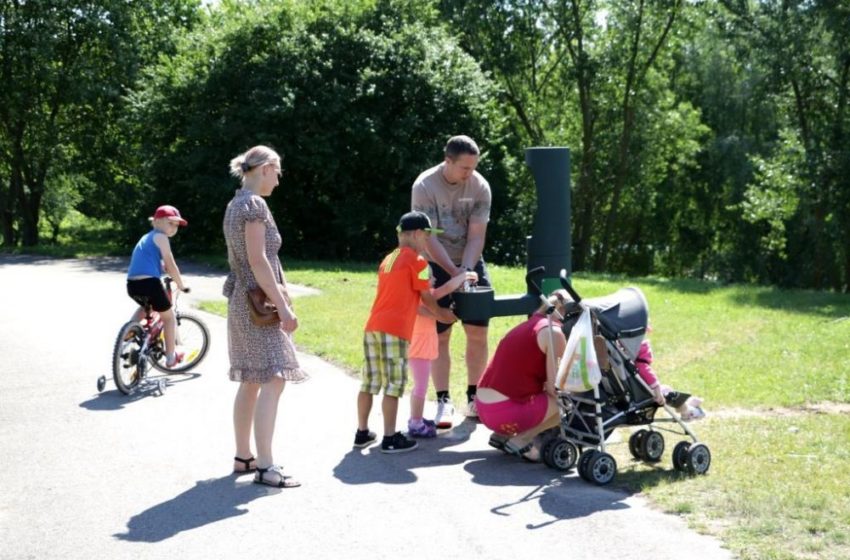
(88, 475)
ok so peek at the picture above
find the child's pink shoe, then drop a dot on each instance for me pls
(693, 413)
(695, 402)
(421, 429)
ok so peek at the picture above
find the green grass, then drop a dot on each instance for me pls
(79, 237)
(779, 484)
(738, 346)
(777, 487)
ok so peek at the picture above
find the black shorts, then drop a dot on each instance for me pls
(149, 290)
(441, 277)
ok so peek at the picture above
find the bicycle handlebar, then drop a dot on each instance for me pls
(168, 280)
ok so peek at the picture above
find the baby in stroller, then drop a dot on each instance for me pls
(688, 407)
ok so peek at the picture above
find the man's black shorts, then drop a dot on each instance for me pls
(149, 290)
(441, 277)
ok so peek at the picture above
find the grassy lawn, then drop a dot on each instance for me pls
(772, 366)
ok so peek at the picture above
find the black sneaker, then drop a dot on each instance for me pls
(397, 443)
(364, 437)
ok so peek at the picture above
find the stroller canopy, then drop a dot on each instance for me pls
(623, 314)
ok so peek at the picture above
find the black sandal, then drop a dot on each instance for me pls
(247, 462)
(285, 481)
(498, 441)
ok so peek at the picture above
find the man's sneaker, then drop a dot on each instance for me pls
(397, 443)
(445, 411)
(471, 409)
(364, 437)
(421, 429)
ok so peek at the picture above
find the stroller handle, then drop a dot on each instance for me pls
(531, 286)
(567, 286)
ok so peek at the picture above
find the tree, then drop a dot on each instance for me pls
(69, 63)
(592, 75)
(358, 97)
(806, 48)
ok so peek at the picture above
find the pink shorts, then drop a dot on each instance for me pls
(512, 417)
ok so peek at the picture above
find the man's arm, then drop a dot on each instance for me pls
(437, 253)
(475, 237)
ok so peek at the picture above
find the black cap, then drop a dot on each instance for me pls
(415, 220)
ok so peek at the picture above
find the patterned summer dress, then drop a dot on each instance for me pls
(257, 354)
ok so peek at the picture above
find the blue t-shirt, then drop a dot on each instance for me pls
(146, 259)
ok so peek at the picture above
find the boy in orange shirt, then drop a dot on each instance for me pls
(402, 283)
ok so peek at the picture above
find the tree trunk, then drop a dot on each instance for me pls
(7, 216)
(29, 226)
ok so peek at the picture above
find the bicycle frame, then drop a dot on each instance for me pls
(152, 324)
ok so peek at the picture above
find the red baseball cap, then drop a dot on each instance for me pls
(171, 213)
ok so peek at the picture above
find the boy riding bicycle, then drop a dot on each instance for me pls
(151, 255)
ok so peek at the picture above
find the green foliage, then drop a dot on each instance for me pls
(69, 63)
(708, 139)
(60, 199)
(773, 196)
(331, 88)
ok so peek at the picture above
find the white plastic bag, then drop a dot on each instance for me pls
(579, 369)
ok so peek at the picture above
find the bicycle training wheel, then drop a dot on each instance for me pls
(125, 357)
(193, 341)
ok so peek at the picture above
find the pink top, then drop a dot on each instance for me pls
(424, 344)
(643, 361)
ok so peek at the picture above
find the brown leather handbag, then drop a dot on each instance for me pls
(263, 312)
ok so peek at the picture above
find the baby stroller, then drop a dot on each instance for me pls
(621, 398)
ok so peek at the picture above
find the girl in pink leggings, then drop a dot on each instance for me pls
(516, 394)
(424, 348)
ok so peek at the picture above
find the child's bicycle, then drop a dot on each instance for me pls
(140, 345)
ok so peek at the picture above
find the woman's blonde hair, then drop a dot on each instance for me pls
(558, 298)
(255, 157)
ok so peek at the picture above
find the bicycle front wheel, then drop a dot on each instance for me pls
(192, 340)
(126, 368)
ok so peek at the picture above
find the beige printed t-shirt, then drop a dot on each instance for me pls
(452, 207)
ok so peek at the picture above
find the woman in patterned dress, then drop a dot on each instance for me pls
(262, 358)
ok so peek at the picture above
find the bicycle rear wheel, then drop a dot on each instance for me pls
(126, 370)
(193, 341)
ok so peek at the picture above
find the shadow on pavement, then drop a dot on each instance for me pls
(115, 400)
(566, 498)
(207, 502)
(365, 466)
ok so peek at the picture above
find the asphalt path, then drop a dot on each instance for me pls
(103, 475)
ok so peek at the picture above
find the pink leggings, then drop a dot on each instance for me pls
(420, 368)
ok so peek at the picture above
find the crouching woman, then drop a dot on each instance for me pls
(516, 395)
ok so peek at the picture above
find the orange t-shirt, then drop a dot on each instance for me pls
(403, 274)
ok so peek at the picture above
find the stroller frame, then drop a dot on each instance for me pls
(587, 419)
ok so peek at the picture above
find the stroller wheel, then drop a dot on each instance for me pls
(601, 469)
(652, 447)
(560, 454)
(699, 459)
(680, 456)
(583, 461)
(635, 447)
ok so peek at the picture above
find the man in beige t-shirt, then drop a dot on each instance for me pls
(457, 200)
